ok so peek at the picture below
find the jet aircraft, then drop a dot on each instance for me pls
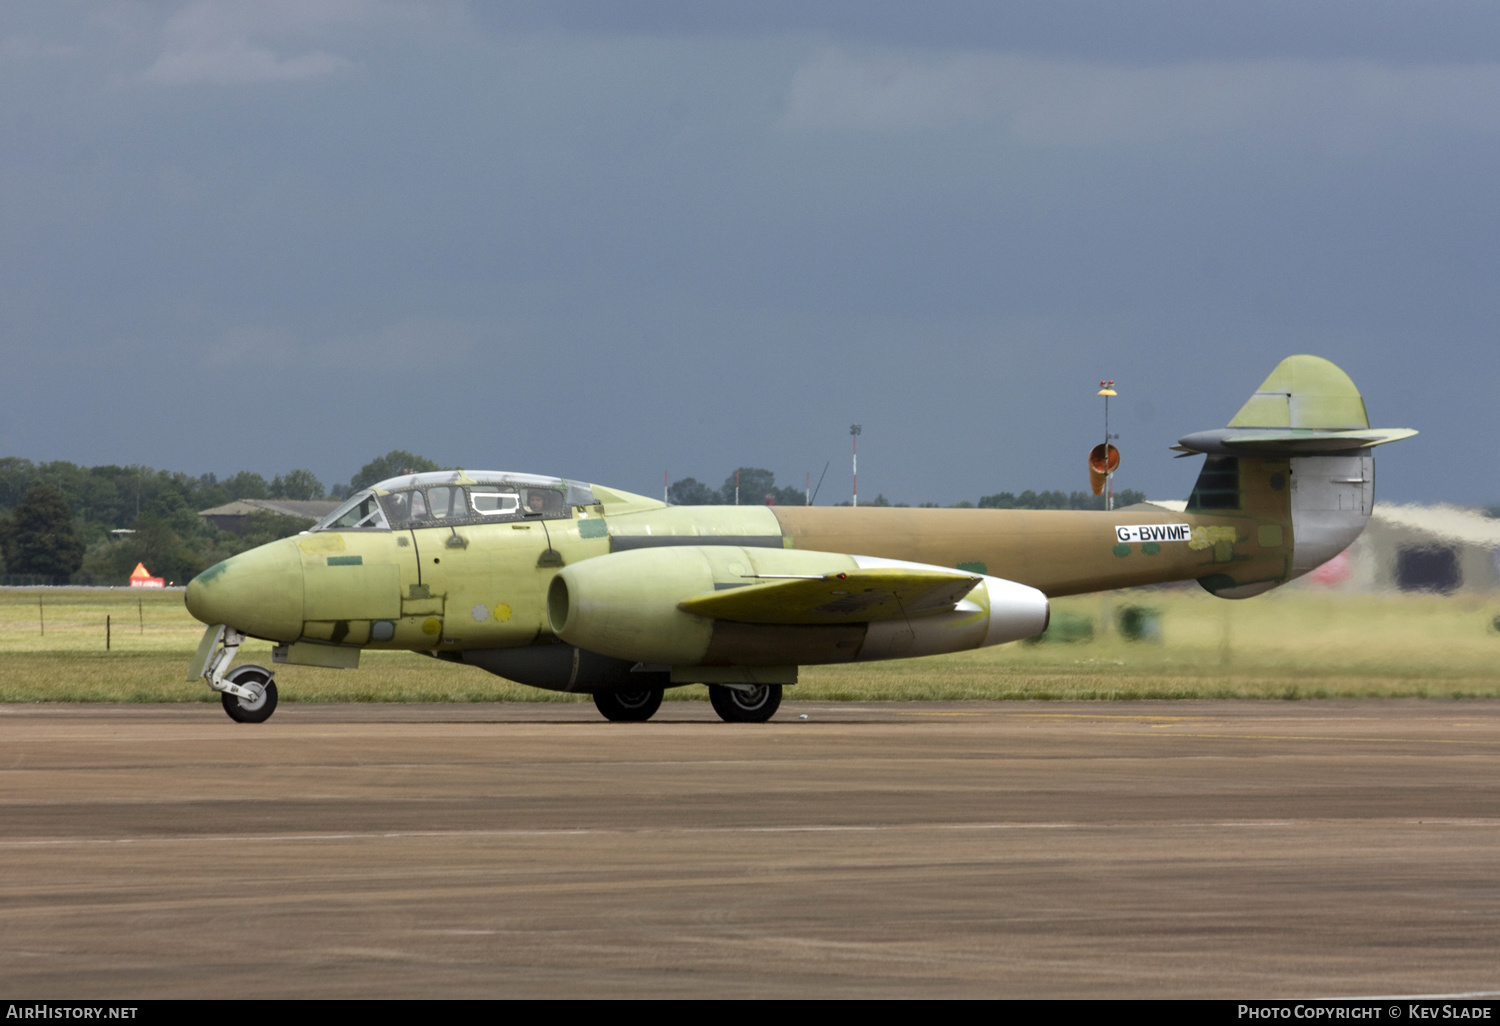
(579, 587)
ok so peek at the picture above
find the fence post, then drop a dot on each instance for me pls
(106, 632)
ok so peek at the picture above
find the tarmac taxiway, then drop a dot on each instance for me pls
(1016, 849)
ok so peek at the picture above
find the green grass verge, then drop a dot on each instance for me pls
(1289, 644)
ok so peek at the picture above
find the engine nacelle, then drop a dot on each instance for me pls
(625, 605)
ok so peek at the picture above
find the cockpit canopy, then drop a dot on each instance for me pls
(453, 497)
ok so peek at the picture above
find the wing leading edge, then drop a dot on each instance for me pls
(851, 596)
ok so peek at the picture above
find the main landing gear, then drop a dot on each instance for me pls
(735, 703)
(628, 706)
(745, 703)
(248, 692)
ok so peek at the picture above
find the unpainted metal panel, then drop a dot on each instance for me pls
(351, 592)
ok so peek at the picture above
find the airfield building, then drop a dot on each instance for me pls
(235, 516)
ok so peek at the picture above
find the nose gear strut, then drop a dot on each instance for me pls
(248, 692)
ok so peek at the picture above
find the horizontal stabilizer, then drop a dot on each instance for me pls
(1287, 441)
(853, 596)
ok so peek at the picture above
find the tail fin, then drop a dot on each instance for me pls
(1306, 407)
(1297, 455)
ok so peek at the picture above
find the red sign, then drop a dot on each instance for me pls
(140, 577)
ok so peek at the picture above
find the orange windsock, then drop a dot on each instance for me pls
(1101, 466)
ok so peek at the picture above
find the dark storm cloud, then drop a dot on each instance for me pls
(604, 240)
(1144, 30)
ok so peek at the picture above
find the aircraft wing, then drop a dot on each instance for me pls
(851, 596)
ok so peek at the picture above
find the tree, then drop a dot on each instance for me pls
(171, 509)
(691, 492)
(392, 464)
(245, 485)
(154, 543)
(16, 478)
(42, 539)
(265, 526)
(1058, 500)
(297, 484)
(755, 484)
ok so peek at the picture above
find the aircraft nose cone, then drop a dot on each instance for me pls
(258, 592)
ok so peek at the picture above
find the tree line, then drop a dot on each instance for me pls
(756, 486)
(753, 486)
(56, 518)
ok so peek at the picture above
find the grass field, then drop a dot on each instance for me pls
(1289, 644)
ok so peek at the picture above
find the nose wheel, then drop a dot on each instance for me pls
(256, 680)
(753, 703)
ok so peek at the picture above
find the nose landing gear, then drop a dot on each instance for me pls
(247, 692)
(250, 710)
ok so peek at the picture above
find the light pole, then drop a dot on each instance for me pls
(854, 430)
(1107, 389)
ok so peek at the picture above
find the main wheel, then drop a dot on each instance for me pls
(745, 705)
(244, 710)
(628, 706)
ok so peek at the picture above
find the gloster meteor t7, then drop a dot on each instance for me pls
(578, 587)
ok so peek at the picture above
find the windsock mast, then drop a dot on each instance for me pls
(1104, 459)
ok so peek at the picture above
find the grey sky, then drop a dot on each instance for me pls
(607, 240)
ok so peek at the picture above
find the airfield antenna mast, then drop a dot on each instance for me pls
(814, 497)
(854, 430)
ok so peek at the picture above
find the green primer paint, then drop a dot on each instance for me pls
(346, 560)
(592, 529)
(1121, 550)
(1304, 392)
(974, 567)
